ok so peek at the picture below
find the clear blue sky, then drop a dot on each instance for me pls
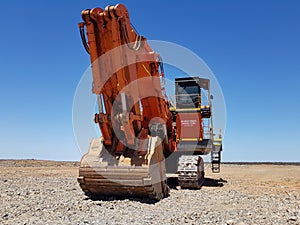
(253, 48)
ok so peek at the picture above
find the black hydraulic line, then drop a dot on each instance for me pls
(138, 42)
(83, 38)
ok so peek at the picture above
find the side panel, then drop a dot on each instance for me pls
(189, 126)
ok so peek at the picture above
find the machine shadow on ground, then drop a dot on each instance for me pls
(144, 200)
(208, 182)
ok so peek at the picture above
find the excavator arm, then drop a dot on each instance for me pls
(119, 57)
(133, 113)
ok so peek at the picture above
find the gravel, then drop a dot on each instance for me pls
(51, 197)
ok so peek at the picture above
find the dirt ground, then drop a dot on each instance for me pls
(261, 178)
(251, 178)
(27, 183)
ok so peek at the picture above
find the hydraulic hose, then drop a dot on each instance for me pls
(83, 38)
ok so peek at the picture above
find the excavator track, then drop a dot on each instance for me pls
(101, 174)
(190, 171)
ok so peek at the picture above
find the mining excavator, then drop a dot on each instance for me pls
(145, 136)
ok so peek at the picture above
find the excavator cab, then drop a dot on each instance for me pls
(194, 130)
(192, 115)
